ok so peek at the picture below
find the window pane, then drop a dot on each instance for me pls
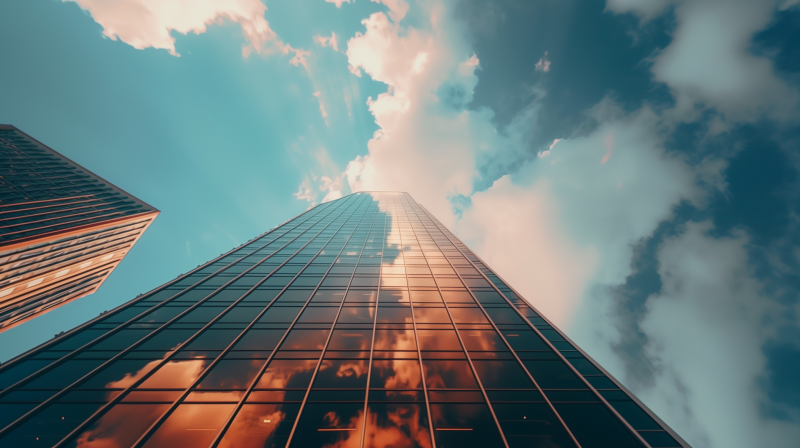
(594, 426)
(287, 374)
(329, 424)
(482, 340)
(191, 425)
(468, 316)
(431, 316)
(50, 425)
(176, 374)
(319, 314)
(397, 425)
(524, 340)
(213, 340)
(342, 373)
(395, 340)
(394, 315)
(553, 375)
(357, 315)
(350, 340)
(305, 340)
(464, 425)
(232, 374)
(119, 427)
(63, 375)
(531, 425)
(502, 375)
(438, 340)
(448, 375)
(396, 374)
(256, 339)
(121, 374)
(277, 314)
(261, 425)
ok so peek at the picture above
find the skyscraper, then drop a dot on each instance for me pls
(62, 228)
(360, 323)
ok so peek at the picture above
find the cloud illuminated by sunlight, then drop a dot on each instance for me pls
(150, 23)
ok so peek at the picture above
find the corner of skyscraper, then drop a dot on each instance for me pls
(63, 229)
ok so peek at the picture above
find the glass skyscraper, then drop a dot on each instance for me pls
(362, 322)
(63, 229)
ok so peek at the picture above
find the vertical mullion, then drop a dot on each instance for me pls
(167, 358)
(153, 427)
(8, 428)
(263, 368)
(516, 357)
(466, 354)
(374, 324)
(333, 327)
(416, 340)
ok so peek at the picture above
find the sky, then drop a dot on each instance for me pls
(630, 166)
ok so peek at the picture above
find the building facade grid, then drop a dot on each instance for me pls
(363, 322)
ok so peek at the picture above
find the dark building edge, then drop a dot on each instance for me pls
(10, 127)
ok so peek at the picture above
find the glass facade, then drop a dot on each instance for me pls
(360, 323)
(62, 228)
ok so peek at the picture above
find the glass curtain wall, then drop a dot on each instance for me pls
(361, 323)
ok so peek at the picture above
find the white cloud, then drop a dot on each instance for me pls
(338, 3)
(332, 41)
(543, 65)
(580, 211)
(563, 227)
(709, 63)
(424, 146)
(708, 375)
(150, 23)
(397, 8)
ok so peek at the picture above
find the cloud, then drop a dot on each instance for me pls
(708, 63)
(578, 213)
(422, 136)
(543, 65)
(708, 379)
(332, 41)
(562, 227)
(150, 23)
(338, 3)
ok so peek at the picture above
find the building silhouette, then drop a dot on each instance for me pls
(362, 322)
(62, 228)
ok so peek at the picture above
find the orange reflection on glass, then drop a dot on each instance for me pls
(149, 396)
(176, 374)
(397, 426)
(330, 425)
(191, 426)
(305, 340)
(347, 373)
(350, 340)
(129, 378)
(431, 316)
(396, 374)
(230, 396)
(468, 316)
(356, 315)
(395, 340)
(119, 427)
(486, 340)
(287, 373)
(438, 340)
(260, 425)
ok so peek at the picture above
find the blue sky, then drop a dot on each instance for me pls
(630, 166)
